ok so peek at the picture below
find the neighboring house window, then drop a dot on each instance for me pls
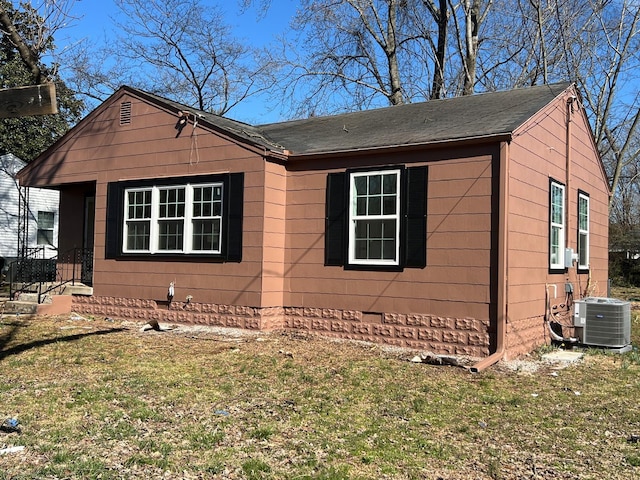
(45, 227)
(376, 219)
(556, 221)
(187, 216)
(583, 231)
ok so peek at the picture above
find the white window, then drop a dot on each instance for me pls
(557, 232)
(583, 231)
(138, 220)
(173, 219)
(45, 227)
(374, 218)
(206, 218)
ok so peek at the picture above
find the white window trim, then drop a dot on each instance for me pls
(187, 219)
(354, 218)
(584, 232)
(125, 237)
(559, 265)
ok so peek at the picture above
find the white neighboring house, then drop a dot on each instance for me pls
(42, 214)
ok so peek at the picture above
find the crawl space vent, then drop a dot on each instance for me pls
(125, 113)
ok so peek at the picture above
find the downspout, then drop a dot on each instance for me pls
(501, 310)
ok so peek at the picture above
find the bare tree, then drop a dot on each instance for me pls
(187, 50)
(92, 71)
(440, 15)
(351, 45)
(593, 43)
(468, 17)
(181, 49)
(612, 85)
(355, 54)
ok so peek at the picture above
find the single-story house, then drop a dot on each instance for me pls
(448, 225)
(27, 214)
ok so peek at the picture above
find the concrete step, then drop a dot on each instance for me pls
(57, 305)
(18, 307)
(33, 297)
(58, 301)
(77, 289)
(55, 289)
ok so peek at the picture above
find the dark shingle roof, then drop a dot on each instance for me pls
(475, 116)
(481, 115)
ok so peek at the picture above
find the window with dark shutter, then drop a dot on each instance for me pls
(234, 215)
(194, 216)
(335, 219)
(376, 219)
(415, 218)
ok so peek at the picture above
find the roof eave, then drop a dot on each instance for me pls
(175, 108)
(476, 140)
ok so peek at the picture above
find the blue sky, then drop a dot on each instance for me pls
(94, 22)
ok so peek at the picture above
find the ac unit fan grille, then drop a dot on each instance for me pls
(607, 324)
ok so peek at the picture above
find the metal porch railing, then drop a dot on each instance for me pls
(36, 274)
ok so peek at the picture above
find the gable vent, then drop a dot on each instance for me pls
(125, 113)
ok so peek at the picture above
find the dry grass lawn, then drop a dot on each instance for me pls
(102, 400)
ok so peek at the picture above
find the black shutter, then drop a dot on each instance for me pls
(113, 242)
(415, 219)
(235, 202)
(335, 219)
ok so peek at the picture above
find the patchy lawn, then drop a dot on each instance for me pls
(99, 399)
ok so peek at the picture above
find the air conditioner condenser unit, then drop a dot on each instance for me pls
(603, 322)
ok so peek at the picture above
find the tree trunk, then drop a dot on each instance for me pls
(471, 11)
(28, 56)
(395, 95)
(441, 17)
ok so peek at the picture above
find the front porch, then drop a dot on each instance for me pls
(39, 285)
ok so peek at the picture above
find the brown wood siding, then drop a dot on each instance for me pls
(282, 280)
(103, 151)
(456, 281)
(273, 270)
(537, 153)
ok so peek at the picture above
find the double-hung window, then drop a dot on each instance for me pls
(207, 218)
(374, 236)
(557, 226)
(138, 220)
(180, 216)
(173, 219)
(46, 221)
(583, 231)
(376, 218)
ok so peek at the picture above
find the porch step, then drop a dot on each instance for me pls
(30, 297)
(13, 307)
(78, 289)
(55, 305)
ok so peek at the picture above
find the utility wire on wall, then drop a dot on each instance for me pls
(183, 120)
(194, 142)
